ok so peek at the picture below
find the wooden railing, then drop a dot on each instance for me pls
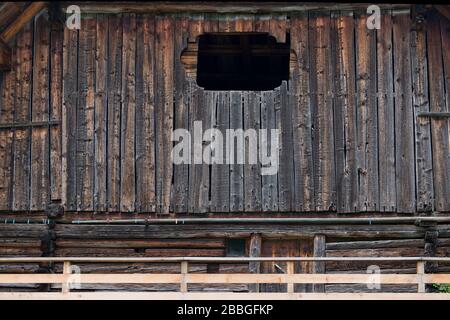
(184, 278)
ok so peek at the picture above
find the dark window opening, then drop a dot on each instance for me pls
(235, 247)
(242, 61)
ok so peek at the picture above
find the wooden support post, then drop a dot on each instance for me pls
(254, 267)
(290, 270)
(420, 273)
(184, 271)
(319, 267)
(65, 286)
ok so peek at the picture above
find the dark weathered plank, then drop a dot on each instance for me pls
(56, 91)
(7, 99)
(85, 115)
(321, 102)
(424, 161)
(252, 166)
(386, 119)
(236, 169)
(319, 250)
(70, 100)
(438, 61)
(145, 116)
(283, 113)
(202, 103)
(367, 120)
(40, 162)
(114, 111)
(220, 170)
(128, 170)
(269, 187)
(343, 66)
(101, 112)
(164, 48)
(404, 128)
(301, 118)
(181, 96)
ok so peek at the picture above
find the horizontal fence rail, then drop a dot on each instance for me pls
(66, 279)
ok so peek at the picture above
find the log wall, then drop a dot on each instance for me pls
(351, 138)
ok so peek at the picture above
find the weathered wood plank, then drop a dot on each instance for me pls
(424, 161)
(404, 128)
(181, 96)
(321, 102)
(386, 119)
(114, 110)
(101, 113)
(236, 169)
(367, 120)
(127, 145)
(56, 91)
(252, 168)
(301, 118)
(203, 102)
(40, 162)
(145, 116)
(85, 115)
(70, 100)
(438, 61)
(343, 66)
(7, 100)
(283, 111)
(319, 250)
(269, 187)
(164, 49)
(220, 171)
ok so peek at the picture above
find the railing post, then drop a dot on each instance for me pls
(420, 273)
(290, 270)
(184, 271)
(65, 285)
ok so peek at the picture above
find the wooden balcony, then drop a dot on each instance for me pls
(67, 280)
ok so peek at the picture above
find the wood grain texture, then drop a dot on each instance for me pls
(164, 47)
(145, 116)
(101, 114)
(367, 118)
(127, 143)
(422, 131)
(404, 128)
(438, 63)
(56, 92)
(181, 95)
(386, 119)
(114, 111)
(301, 118)
(321, 103)
(85, 116)
(69, 121)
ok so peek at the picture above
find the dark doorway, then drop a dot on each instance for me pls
(242, 61)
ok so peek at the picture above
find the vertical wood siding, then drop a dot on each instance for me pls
(351, 139)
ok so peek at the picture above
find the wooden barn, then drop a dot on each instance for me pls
(92, 93)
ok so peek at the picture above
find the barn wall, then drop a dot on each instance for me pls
(351, 140)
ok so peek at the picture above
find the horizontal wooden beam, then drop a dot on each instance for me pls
(6, 126)
(219, 7)
(243, 278)
(218, 296)
(434, 114)
(214, 259)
